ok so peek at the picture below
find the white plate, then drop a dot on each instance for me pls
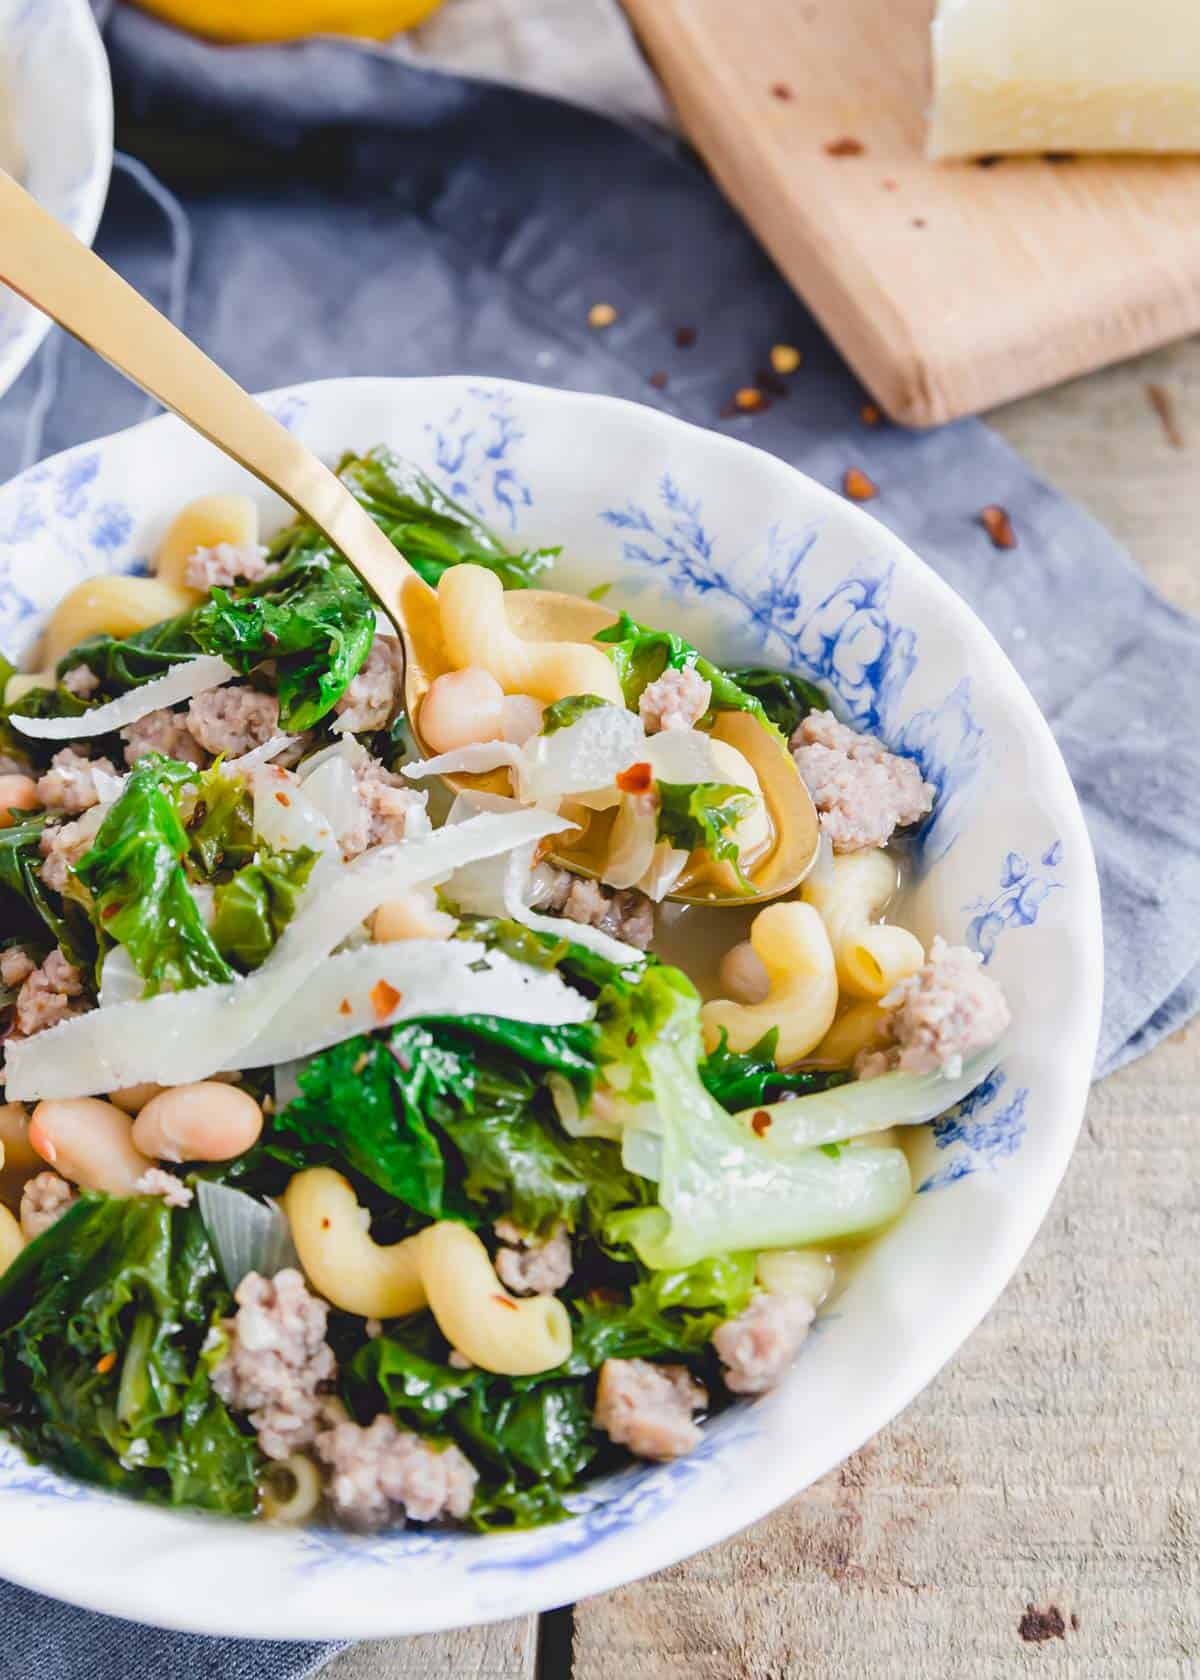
(56, 136)
(754, 562)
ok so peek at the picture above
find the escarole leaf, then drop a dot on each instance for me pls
(102, 1321)
(667, 1312)
(786, 698)
(217, 811)
(139, 893)
(29, 907)
(740, 1080)
(721, 1188)
(561, 714)
(430, 528)
(695, 815)
(641, 655)
(253, 907)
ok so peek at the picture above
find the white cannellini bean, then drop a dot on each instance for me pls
(207, 1121)
(17, 793)
(743, 975)
(460, 708)
(135, 1097)
(90, 1143)
(414, 915)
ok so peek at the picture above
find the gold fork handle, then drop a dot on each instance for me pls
(52, 270)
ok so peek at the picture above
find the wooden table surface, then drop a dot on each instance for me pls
(1037, 1508)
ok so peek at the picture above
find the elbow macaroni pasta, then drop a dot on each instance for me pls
(871, 957)
(110, 606)
(478, 1316)
(477, 633)
(855, 1029)
(330, 1231)
(11, 1240)
(204, 523)
(794, 947)
(445, 1267)
(301, 1504)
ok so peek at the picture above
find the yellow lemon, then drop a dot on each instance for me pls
(283, 20)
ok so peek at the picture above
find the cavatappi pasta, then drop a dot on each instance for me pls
(383, 1169)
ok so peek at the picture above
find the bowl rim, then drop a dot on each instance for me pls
(333, 1615)
(26, 342)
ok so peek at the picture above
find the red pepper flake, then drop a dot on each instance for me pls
(869, 415)
(685, 337)
(889, 185)
(760, 1125)
(639, 778)
(105, 1364)
(918, 221)
(325, 1222)
(659, 380)
(384, 999)
(1163, 405)
(503, 1301)
(749, 399)
(282, 799)
(780, 90)
(344, 1007)
(631, 1038)
(998, 526)
(603, 1292)
(109, 911)
(846, 146)
(858, 486)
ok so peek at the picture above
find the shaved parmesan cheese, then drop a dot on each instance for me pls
(358, 991)
(471, 760)
(179, 1037)
(1065, 76)
(586, 757)
(181, 682)
(258, 755)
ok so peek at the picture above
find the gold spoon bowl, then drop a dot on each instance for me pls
(51, 269)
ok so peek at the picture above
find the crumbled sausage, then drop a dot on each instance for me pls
(862, 791)
(373, 697)
(389, 809)
(16, 965)
(70, 783)
(938, 1017)
(49, 995)
(380, 1473)
(225, 564)
(532, 1265)
(43, 1200)
(676, 700)
(233, 720)
(163, 732)
(627, 914)
(81, 681)
(758, 1345)
(278, 1363)
(648, 1408)
(63, 844)
(155, 1182)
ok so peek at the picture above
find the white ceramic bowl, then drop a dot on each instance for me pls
(57, 128)
(754, 562)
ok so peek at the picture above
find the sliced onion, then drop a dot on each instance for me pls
(633, 839)
(179, 1037)
(471, 760)
(258, 755)
(667, 864)
(246, 1235)
(358, 991)
(284, 816)
(181, 682)
(683, 755)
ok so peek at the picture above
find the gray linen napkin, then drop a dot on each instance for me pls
(327, 208)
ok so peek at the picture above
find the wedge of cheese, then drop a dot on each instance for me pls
(1065, 76)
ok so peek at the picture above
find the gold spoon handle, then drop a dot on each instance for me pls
(52, 270)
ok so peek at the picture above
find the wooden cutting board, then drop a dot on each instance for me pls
(948, 287)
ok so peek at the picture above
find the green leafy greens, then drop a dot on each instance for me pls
(750, 1078)
(786, 698)
(561, 714)
(27, 905)
(253, 907)
(102, 1323)
(641, 655)
(692, 815)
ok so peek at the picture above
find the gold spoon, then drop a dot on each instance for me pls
(51, 269)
